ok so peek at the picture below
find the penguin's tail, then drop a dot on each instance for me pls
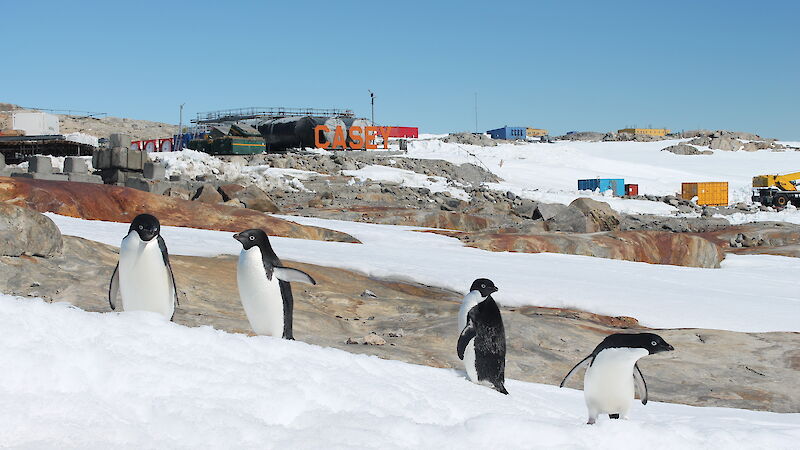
(500, 388)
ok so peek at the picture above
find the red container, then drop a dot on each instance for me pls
(631, 189)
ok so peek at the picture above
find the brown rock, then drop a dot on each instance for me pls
(177, 192)
(600, 214)
(655, 247)
(256, 198)
(120, 204)
(235, 202)
(374, 339)
(207, 193)
(229, 191)
(413, 217)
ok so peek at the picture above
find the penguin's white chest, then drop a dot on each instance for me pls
(470, 301)
(608, 384)
(144, 280)
(261, 297)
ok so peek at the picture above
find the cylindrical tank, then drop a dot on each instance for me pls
(288, 132)
(331, 123)
(351, 122)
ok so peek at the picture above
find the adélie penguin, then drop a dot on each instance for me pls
(612, 373)
(142, 279)
(264, 285)
(482, 340)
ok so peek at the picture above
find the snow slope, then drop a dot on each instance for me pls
(749, 293)
(75, 379)
(549, 172)
(408, 178)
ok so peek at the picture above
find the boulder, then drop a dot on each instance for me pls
(547, 211)
(601, 216)
(683, 149)
(256, 198)
(207, 193)
(525, 209)
(725, 143)
(570, 220)
(229, 191)
(177, 192)
(24, 231)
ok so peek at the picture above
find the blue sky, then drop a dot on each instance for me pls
(558, 65)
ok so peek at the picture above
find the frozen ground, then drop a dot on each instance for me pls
(749, 293)
(549, 172)
(75, 379)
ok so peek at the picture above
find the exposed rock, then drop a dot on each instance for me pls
(547, 211)
(207, 193)
(177, 192)
(570, 220)
(229, 191)
(525, 209)
(235, 202)
(256, 198)
(600, 214)
(655, 247)
(374, 339)
(411, 217)
(683, 149)
(470, 139)
(587, 136)
(702, 141)
(646, 222)
(725, 143)
(120, 204)
(24, 231)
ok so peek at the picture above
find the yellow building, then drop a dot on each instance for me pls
(650, 131)
(536, 132)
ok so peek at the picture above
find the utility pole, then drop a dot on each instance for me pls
(179, 140)
(476, 113)
(372, 101)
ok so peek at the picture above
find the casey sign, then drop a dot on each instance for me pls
(360, 137)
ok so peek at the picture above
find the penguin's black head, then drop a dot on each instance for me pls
(484, 285)
(653, 343)
(146, 226)
(251, 238)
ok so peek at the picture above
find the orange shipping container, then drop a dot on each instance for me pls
(708, 194)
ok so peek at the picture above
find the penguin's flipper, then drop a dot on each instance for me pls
(165, 255)
(467, 334)
(584, 362)
(641, 386)
(113, 289)
(290, 275)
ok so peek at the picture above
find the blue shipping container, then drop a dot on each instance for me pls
(616, 185)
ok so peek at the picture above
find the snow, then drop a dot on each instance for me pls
(82, 138)
(749, 293)
(549, 172)
(191, 163)
(134, 380)
(408, 178)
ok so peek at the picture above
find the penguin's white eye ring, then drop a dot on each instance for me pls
(252, 238)
(653, 343)
(141, 227)
(483, 286)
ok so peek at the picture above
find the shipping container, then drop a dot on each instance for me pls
(35, 123)
(631, 189)
(229, 146)
(615, 185)
(708, 194)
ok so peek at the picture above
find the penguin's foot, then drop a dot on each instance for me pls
(591, 421)
(501, 389)
(613, 416)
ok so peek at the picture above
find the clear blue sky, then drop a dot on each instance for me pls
(558, 65)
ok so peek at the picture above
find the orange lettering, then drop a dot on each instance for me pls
(385, 132)
(318, 130)
(357, 136)
(370, 138)
(338, 138)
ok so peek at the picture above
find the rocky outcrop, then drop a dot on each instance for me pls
(583, 215)
(683, 149)
(26, 232)
(470, 139)
(648, 222)
(725, 143)
(418, 325)
(655, 247)
(776, 238)
(120, 204)
(207, 193)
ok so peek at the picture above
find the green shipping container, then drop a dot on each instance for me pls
(229, 146)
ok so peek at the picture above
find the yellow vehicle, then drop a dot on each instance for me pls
(776, 190)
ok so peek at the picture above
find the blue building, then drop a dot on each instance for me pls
(509, 133)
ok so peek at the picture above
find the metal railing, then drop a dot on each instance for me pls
(228, 115)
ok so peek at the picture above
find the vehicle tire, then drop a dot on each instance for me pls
(780, 200)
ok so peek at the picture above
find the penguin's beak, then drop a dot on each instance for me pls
(670, 348)
(495, 289)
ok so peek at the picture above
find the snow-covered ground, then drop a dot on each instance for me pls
(409, 179)
(74, 379)
(550, 172)
(749, 293)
